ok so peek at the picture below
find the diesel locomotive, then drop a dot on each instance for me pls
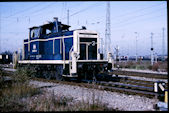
(54, 51)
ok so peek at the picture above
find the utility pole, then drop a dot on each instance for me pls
(152, 57)
(163, 46)
(0, 31)
(107, 31)
(68, 17)
(136, 45)
(117, 53)
(156, 57)
(128, 53)
(29, 20)
(101, 39)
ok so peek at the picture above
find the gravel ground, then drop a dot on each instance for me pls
(114, 100)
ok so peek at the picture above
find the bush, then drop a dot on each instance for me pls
(129, 64)
(10, 98)
(166, 68)
(11, 94)
(1, 72)
(150, 67)
(22, 97)
(159, 66)
(155, 67)
(140, 67)
(163, 66)
(23, 74)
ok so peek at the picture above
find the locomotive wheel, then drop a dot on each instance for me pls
(79, 79)
(46, 75)
(94, 79)
(39, 74)
(59, 73)
(59, 77)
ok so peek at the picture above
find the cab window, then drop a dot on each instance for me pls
(35, 32)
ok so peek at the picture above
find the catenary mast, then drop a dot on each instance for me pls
(107, 31)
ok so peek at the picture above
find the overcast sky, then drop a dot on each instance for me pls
(127, 18)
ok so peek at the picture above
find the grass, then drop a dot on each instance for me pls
(48, 102)
(20, 96)
(11, 93)
(51, 102)
(1, 71)
(11, 97)
(144, 65)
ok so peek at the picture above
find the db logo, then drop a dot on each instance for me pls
(34, 48)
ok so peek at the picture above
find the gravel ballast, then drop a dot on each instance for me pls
(115, 100)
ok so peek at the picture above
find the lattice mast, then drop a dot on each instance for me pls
(68, 17)
(107, 31)
(152, 50)
(163, 45)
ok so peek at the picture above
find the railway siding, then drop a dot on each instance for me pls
(140, 74)
(125, 87)
(128, 82)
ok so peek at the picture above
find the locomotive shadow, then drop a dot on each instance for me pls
(108, 77)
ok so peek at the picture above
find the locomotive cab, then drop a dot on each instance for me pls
(54, 47)
(85, 61)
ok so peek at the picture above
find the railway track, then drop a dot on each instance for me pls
(140, 82)
(130, 86)
(120, 84)
(140, 74)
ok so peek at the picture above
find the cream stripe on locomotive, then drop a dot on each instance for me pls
(49, 39)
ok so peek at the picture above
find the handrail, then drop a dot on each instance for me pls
(70, 53)
(63, 52)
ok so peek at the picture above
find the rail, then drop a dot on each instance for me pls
(125, 85)
(140, 74)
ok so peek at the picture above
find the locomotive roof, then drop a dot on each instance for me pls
(63, 26)
(33, 27)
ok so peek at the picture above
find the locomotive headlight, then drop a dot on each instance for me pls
(105, 65)
(76, 55)
(80, 66)
(93, 43)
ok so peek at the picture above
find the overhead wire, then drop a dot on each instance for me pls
(82, 10)
(27, 9)
(134, 17)
(133, 12)
(35, 11)
(87, 9)
(139, 10)
(19, 12)
(132, 22)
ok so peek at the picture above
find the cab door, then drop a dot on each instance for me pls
(88, 50)
(83, 52)
(92, 51)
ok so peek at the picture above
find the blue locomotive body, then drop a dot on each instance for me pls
(46, 43)
(51, 49)
(62, 52)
